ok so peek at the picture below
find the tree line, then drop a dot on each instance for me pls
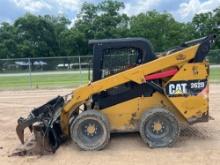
(47, 36)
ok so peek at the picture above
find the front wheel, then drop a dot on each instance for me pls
(159, 128)
(90, 130)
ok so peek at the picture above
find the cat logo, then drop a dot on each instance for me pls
(178, 89)
(185, 88)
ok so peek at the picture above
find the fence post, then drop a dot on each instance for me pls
(80, 71)
(30, 76)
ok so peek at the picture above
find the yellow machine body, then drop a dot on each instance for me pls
(132, 89)
(125, 116)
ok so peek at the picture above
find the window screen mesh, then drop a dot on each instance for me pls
(116, 60)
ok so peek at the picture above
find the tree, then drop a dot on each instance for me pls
(103, 20)
(110, 23)
(203, 24)
(207, 23)
(85, 20)
(8, 44)
(160, 28)
(37, 36)
(73, 42)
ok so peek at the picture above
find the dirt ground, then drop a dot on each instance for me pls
(198, 144)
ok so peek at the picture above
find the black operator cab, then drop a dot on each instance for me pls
(111, 56)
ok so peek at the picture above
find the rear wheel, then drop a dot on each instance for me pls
(90, 130)
(159, 128)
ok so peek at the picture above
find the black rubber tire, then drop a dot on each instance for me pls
(84, 141)
(171, 128)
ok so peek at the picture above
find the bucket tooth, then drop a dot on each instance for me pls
(37, 144)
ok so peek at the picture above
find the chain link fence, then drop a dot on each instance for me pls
(50, 72)
(44, 72)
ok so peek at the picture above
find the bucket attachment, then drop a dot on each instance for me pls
(45, 125)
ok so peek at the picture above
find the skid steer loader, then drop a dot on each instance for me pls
(131, 90)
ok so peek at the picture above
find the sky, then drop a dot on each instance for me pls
(182, 10)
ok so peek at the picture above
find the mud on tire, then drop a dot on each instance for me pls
(159, 128)
(90, 130)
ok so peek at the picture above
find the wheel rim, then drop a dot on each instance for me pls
(90, 131)
(158, 129)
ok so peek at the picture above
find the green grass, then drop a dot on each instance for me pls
(43, 81)
(215, 74)
(62, 80)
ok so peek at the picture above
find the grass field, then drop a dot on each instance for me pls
(215, 74)
(43, 81)
(60, 79)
